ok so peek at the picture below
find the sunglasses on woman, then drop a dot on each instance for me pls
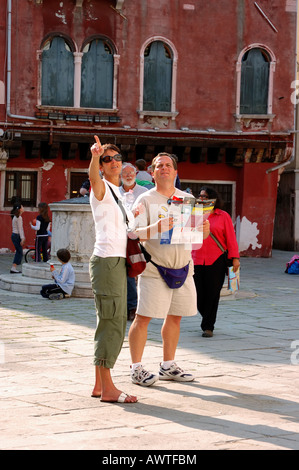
(108, 158)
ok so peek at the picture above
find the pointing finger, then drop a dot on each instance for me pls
(97, 140)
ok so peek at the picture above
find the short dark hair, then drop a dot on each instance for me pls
(109, 147)
(43, 210)
(15, 210)
(64, 255)
(213, 194)
(165, 154)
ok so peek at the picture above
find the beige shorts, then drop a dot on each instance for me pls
(157, 300)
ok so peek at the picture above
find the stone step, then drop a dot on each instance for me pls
(32, 285)
(34, 275)
(42, 271)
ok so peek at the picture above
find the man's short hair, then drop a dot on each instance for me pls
(141, 164)
(164, 154)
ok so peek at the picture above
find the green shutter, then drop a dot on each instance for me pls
(254, 83)
(157, 78)
(57, 74)
(97, 76)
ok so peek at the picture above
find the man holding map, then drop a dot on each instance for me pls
(155, 225)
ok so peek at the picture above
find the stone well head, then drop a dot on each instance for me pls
(73, 229)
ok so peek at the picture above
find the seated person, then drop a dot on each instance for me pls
(64, 281)
(84, 190)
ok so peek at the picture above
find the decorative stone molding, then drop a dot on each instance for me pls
(254, 122)
(3, 159)
(79, 3)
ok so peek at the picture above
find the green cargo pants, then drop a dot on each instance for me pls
(109, 284)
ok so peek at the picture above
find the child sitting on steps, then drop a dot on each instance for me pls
(64, 281)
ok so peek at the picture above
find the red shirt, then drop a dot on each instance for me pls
(222, 227)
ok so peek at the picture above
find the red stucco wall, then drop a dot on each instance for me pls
(207, 37)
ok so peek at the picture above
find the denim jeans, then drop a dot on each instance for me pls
(16, 239)
(48, 289)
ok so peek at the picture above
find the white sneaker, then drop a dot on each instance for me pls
(140, 376)
(175, 373)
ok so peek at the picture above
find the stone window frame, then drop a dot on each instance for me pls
(272, 65)
(173, 112)
(78, 54)
(4, 203)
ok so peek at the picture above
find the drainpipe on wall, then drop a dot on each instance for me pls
(282, 165)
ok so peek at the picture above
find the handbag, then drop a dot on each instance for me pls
(136, 255)
(228, 261)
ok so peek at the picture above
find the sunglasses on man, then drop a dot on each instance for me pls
(108, 158)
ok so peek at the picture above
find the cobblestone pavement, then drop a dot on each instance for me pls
(245, 395)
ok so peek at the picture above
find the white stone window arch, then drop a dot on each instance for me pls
(172, 113)
(77, 57)
(272, 65)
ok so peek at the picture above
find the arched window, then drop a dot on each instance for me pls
(57, 80)
(255, 70)
(97, 75)
(157, 85)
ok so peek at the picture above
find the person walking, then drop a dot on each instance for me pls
(17, 236)
(210, 262)
(108, 269)
(155, 298)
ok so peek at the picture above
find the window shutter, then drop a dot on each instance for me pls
(97, 76)
(157, 78)
(57, 74)
(254, 83)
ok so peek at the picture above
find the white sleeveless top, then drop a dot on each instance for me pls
(110, 226)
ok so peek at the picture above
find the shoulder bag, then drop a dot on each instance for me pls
(228, 261)
(136, 255)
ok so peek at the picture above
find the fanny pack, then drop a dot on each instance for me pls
(174, 278)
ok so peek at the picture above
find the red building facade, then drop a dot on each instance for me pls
(208, 81)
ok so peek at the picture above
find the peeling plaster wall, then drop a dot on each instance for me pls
(247, 234)
(256, 210)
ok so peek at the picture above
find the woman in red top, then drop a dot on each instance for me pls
(209, 262)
